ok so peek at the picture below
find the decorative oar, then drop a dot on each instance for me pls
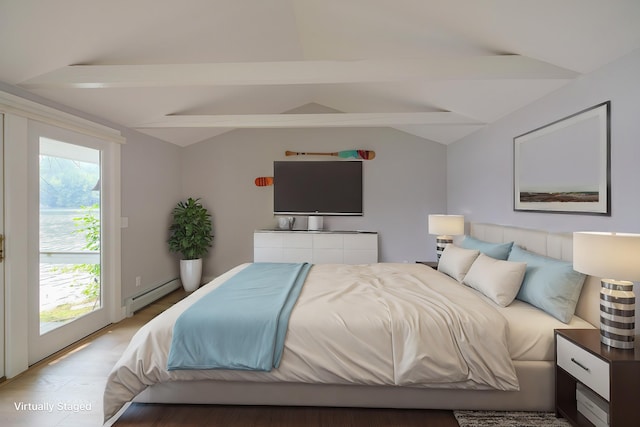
(264, 181)
(346, 154)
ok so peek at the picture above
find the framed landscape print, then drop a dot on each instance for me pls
(564, 167)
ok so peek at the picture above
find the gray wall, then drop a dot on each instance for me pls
(402, 185)
(480, 167)
(151, 186)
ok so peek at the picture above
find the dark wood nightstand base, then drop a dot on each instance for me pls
(623, 368)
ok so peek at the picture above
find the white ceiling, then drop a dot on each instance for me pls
(187, 70)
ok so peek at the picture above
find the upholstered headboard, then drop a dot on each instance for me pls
(554, 245)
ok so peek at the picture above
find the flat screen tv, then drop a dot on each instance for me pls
(317, 188)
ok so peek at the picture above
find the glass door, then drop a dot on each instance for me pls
(69, 217)
(67, 292)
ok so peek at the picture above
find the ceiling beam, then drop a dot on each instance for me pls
(309, 120)
(298, 72)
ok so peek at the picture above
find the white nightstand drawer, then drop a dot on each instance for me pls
(297, 254)
(584, 366)
(297, 240)
(267, 255)
(361, 241)
(328, 241)
(328, 256)
(267, 240)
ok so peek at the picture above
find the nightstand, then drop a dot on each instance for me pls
(613, 374)
(432, 264)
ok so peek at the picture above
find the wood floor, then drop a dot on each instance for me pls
(65, 390)
(263, 416)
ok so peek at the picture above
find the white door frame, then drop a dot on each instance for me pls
(17, 113)
(15, 222)
(43, 345)
(2, 245)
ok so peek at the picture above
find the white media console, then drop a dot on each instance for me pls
(317, 247)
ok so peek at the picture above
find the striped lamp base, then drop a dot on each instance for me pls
(441, 242)
(617, 313)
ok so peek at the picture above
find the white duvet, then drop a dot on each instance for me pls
(378, 324)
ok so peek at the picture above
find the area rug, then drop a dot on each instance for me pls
(509, 419)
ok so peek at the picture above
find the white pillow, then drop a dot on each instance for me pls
(455, 261)
(496, 279)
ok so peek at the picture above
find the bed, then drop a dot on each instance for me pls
(390, 365)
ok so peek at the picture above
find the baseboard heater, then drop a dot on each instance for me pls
(136, 302)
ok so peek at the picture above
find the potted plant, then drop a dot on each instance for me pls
(190, 236)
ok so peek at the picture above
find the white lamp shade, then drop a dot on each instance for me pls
(449, 225)
(607, 255)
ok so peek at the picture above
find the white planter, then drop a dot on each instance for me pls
(191, 273)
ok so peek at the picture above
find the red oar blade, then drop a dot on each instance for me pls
(264, 181)
(366, 154)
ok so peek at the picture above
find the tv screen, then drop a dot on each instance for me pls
(317, 188)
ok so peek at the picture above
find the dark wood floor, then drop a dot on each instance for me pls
(263, 416)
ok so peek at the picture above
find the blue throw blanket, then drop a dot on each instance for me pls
(242, 323)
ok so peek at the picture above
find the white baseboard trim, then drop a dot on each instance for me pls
(136, 302)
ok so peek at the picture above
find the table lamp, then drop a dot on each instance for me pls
(611, 256)
(445, 226)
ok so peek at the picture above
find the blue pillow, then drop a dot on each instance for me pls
(549, 284)
(494, 250)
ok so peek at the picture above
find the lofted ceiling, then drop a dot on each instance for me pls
(188, 70)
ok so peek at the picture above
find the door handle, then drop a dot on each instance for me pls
(1, 247)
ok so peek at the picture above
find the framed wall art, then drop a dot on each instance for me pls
(564, 167)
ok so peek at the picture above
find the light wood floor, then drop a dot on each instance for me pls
(65, 390)
(75, 376)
